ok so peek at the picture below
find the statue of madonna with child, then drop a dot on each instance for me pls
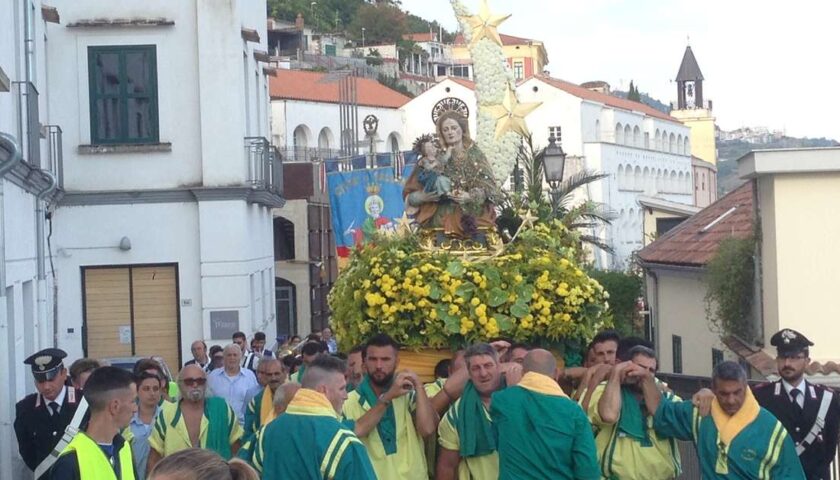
(452, 189)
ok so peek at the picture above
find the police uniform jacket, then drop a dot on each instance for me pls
(818, 455)
(37, 430)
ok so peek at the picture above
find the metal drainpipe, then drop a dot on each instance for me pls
(9, 142)
(42, 273)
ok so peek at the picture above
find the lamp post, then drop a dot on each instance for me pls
(363, 38)
(554, 161)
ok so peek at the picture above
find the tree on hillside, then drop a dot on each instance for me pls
(633, 94)
(323, 15)
(383, 23)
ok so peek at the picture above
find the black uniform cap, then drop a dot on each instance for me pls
(46, 364)
(790, 342)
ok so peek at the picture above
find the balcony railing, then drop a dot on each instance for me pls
(299, 154)
(28, 122)
(55, 155)
(265, 167)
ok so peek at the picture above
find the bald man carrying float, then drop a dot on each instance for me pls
(541, 432)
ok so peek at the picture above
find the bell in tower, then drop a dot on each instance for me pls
(689, 83)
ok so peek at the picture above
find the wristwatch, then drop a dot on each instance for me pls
(381, 399)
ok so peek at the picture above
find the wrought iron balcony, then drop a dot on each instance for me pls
(265, 165)
(28, 122)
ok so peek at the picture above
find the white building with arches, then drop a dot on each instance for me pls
(306, 115)
(645, 152)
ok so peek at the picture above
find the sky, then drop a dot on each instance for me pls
(766, 63)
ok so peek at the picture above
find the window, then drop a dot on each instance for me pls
(518, 70)
(463, 72)
(717, 357)
(676, 346)
(123, 94)
(555, 132)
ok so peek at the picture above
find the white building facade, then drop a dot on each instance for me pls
(644, 152)
(30, 184)
(164, 233)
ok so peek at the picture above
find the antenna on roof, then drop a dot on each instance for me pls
(718, 219)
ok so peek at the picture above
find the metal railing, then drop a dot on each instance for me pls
(28, 122)
(309, 155)
(265, 165)
(55, 153)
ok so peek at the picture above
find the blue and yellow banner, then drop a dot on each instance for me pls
(362, 203)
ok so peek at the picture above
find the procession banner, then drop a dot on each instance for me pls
(362, 203)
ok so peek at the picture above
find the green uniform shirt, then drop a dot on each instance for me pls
(484, 466)
(624, 457)
(308, 442)
(409, 462)
(170, 433)
(762, 450)
(542, 436)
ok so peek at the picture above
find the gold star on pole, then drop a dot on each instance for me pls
(484, 25)
(404, 226)
(528, 219)
(510, 115)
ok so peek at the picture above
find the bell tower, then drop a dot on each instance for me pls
(694, 110)
(689, 83)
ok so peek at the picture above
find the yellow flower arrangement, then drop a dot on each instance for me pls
(534, 292)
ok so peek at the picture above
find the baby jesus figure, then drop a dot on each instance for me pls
(430, 173)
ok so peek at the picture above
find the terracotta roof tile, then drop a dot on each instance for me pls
(506, 40)
(689, 245)
(613, 101)
(323, 87)
(463, 82)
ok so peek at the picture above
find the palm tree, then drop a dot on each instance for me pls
(529, 193)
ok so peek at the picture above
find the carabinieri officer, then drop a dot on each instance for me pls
(40, 418)
(809, 412)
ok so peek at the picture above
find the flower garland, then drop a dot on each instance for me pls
(533, 293)
(492, 76)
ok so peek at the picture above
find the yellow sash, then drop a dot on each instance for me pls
(267, 406)
(537, 382)
(729, 427)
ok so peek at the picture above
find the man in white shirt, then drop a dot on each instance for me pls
(233, 383)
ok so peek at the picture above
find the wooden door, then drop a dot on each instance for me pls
(155, 306)
(107, 298)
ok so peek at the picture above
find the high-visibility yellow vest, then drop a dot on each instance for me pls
(94, 465)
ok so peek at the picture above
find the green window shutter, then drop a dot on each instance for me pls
(122, 81)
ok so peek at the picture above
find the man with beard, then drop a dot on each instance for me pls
(628, 447)
(355, 368)
(260, 409)
(809, 412)
(540, 432)
(468, 448)
(308, 442)
(739, 440)
(194, 421)
(391, 413)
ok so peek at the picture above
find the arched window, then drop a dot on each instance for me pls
(301, 141)
(628, 135)
(394, 142)
(620, 177)
(637, 179)
(628, 178)
(681, 183)
(686, 146)
(673, 182)
(637, 137)
(672, 143)
(619, 134)
(646, 179)
(325, 141)
(657, 141)
(597, 130)
(680, 145)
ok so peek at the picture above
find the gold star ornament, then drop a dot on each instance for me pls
(510, 115)
(484, 25)
(404, 226)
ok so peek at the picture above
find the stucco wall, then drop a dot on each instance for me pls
(702, 125)
(800, 228)
(680, 310)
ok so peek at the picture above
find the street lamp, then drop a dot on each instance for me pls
(554, 160)
(363, 37)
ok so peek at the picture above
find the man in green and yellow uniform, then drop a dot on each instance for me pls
(194, 422)
(391, 414)
(99, 452)
(468, 446)
(308, 442)
(739, 440)
(540, 432)
(260, 409)
(628, 447)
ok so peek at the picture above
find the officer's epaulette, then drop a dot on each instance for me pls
(762, 385)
